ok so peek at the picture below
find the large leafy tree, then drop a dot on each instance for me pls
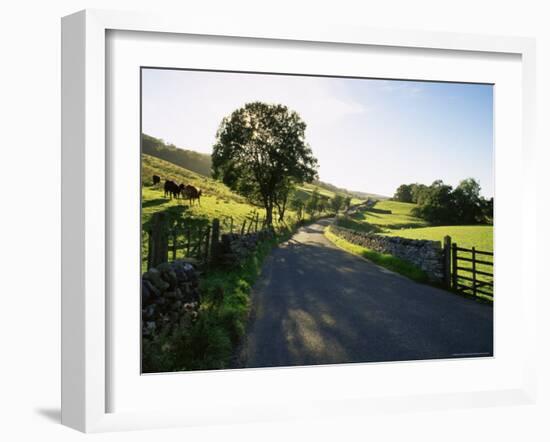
(468, 202)
(441, 204)
(404, 193)
(438, 204)
(261, 153)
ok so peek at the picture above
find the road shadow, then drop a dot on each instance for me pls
(317, 304)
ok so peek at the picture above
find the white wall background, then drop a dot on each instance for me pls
(30, 215)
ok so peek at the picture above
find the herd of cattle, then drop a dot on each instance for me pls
(174, 190)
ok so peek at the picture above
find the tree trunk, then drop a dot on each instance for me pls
(269, 214)
(282, 210)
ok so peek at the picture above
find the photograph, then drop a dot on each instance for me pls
(305, 219)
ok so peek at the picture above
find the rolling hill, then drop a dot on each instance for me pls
(201, 163)
(194, 161)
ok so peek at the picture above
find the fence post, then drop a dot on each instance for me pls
(199, 242)
(207, 244)
(215, 240)
(158, 240)
(149, 248)
(243, 227)
(447, 261)
(454, 267)
(174, 244)
(474, 282)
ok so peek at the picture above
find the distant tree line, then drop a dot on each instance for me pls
(440, 204)
(316, 204)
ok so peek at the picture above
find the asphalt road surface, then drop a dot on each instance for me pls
(317, 304)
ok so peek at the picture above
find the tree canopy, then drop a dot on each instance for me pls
(261, 153)
(440, 204)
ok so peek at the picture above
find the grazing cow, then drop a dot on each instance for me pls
(193, 193)
(171, 189)
(182, 190)
(156, 180)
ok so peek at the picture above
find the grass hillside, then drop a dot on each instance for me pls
(390, 215)
(201, 164)
(384, 217)
(197, 162)
(217, 201)
(306, 189)
(357, 195)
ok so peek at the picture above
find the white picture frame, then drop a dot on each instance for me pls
(85, 312)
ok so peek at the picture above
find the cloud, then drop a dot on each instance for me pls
(405, 88)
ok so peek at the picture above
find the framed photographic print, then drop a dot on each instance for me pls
(281, 223)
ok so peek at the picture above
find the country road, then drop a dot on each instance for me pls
(317, 304)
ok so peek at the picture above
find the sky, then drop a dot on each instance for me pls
(369, 135)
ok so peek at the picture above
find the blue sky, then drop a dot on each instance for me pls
(368, 135)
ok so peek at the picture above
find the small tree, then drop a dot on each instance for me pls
(281, 194)
(337, 202)
(347, 202)
(261, 153)
(297, 204)
(323, 203)
(312, 204)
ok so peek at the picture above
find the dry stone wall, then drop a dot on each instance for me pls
(235, 248)
(169, 296)
(424, 254)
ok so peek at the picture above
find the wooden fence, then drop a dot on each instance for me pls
(251, 223)
(168, 236)
(468, 271)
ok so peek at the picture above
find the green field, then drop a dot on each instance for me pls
(395, 218)
(217, 199)
(480, 237)
(390, 215)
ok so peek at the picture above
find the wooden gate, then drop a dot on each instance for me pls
(472, 271)
(167, 238)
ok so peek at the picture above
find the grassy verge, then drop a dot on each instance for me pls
(389, 262)
(351, 223)
(226, 300)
